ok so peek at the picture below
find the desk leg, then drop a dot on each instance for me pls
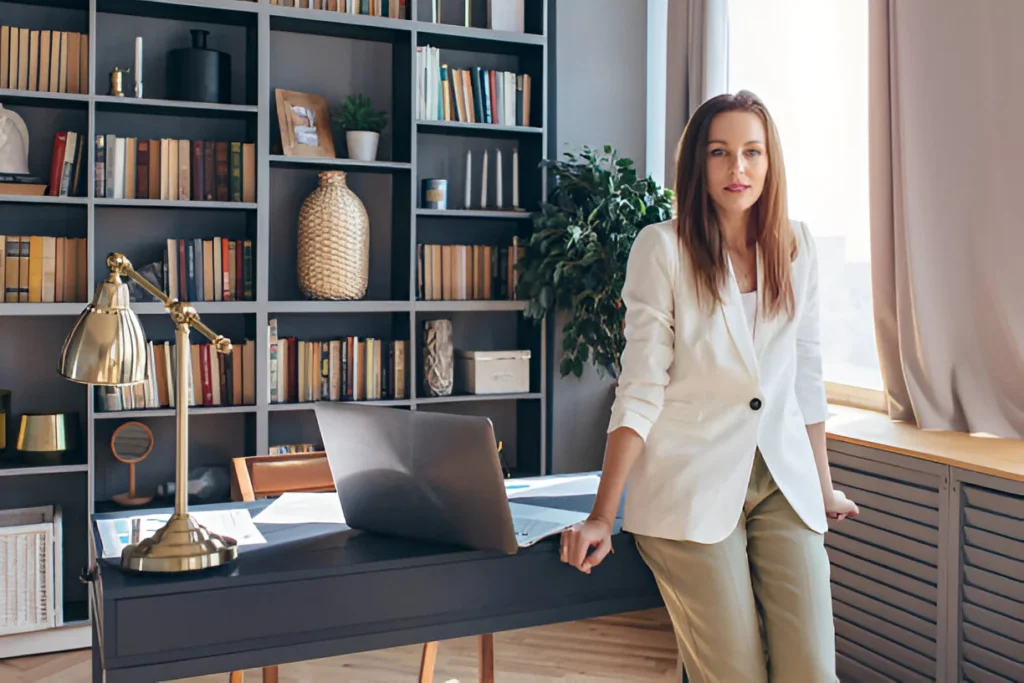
(428, 661)
(486, 658)
(97, 666)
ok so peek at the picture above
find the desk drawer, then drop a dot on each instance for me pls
(371, 602)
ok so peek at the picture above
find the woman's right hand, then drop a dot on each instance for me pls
(579, 539)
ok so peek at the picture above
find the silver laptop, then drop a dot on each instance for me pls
(428, 476)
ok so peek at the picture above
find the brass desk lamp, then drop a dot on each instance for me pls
(107, 346)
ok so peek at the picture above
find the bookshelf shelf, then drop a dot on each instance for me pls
(175, 204)
(477, 305)
(36, 470)
(111, 103)
(338, 24)
(202, 307)
(476, 129)
(308, 405)
(33, 98)
(350, 165)
(477, 398)
(81, 5)
(496, 214)
(143, 413)
(42, 199)
(68, 309)
(73, 635)
(361, 306)
(202, 11)
(472, 39)
(269, 45)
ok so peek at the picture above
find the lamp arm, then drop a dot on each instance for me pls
(181, 312)
(221, 343)
(125, 268)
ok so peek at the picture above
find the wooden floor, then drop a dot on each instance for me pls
(637, 647)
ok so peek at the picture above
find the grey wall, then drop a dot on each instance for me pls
(599, 97)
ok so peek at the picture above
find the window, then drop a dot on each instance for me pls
(808, 61)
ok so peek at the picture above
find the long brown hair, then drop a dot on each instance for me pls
(697, 221)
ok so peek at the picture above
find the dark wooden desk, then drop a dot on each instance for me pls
(321, 590)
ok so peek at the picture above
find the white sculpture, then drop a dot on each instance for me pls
(13, 142)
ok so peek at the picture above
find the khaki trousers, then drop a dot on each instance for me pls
(755, 607)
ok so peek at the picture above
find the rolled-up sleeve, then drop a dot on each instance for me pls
(810, 380)
(648, 295)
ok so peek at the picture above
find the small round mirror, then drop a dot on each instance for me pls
(130, 444)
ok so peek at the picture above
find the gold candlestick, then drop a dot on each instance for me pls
(117, 82)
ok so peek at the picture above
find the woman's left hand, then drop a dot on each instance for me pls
(840, 507)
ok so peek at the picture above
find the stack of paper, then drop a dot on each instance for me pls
(303, 508)
(530, 487)
(116, 534)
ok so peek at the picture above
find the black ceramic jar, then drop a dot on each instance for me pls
(197, 73)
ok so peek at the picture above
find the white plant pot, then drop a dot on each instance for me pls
(362, 144)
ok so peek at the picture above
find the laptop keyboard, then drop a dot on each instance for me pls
(529, 527)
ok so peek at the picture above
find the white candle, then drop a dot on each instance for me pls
(497, 196)
(138, 66)
(515, 178)
(483, 183)
(469, 178)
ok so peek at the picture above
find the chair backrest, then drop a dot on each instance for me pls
(268, 476)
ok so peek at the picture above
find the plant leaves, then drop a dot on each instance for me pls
(575, 257)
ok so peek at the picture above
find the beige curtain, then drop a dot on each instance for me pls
(947, 110)
(697, 65)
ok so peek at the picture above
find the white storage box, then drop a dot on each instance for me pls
(31, 590)
(492, 372)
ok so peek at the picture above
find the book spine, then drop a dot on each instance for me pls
(142, 162)
(235, 171)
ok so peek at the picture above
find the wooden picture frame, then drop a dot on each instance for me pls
(300, 136)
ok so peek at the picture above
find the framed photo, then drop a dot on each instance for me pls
(305, 124)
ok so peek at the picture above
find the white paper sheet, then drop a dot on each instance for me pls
(303, 508)
(529, 487)
(115, 534)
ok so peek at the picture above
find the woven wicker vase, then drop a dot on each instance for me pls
(334, 241)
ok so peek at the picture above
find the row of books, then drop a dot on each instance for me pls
(44, 269)
(458, 272)
(44, 60)
(348, 368)
(167, 168)
(214, 379)
(209, 269)
(68, 157)
(469, 95)
(392, 9)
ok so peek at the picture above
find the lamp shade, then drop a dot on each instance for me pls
(107, 345)
(48, 432)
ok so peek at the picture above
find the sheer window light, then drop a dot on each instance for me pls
(808, 61)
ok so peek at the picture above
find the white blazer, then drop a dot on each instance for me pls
(704, 394)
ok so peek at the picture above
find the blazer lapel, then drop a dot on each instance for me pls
(765, 328)
(736, 320)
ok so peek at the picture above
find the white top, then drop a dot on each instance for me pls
(704, 394)
(750, 307)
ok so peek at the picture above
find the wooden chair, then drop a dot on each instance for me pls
(269, 476)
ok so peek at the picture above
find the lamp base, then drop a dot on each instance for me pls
(181, 545)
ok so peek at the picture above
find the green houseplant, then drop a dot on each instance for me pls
(575, 260)
(363, 125)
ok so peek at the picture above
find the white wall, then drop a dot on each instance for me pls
(600, 97)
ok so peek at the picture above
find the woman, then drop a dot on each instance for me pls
(718, 420)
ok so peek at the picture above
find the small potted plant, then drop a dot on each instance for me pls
(362, 124)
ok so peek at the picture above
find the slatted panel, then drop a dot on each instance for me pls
(992, 594)
(885, 572)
